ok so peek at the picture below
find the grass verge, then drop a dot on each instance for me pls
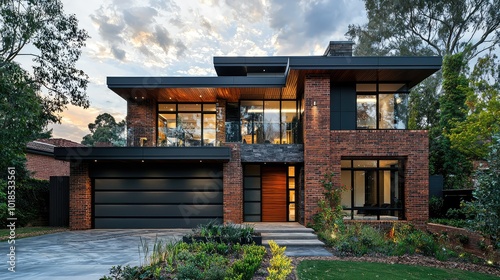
(29, 232)
(323, 269)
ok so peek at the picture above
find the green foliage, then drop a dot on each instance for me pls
(202, 260)
(105, 129)
(443, 159)
(280, 265)
(246, 267)
(226, 233)
(330, 213)
(474, 136)
(22, 117)
(436, 205)
(459, 223)
(486, 203)
(424, 103)
(424, 27)
(32, 201)
(58, 42)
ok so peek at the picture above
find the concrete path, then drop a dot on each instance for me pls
(79, 255)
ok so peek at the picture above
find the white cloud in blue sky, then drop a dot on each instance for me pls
(180, 37)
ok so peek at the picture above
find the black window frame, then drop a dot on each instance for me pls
(377, 94)
(176, 112)
(401, 181)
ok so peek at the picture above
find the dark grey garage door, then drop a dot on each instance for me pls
(156, 195)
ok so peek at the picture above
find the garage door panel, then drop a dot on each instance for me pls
(186, 184)
(182, 210)
(151, 197)
(151, 222)
(144, 170)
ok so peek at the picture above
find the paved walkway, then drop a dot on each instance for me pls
(79, 255)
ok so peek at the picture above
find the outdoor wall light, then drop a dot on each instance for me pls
(314, 103)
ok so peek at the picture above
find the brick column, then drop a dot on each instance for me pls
(233, 186)
(141, 122)
(316, 140)
(80, 197)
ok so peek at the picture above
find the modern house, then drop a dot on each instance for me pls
(253, 144)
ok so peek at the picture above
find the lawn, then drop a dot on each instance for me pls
(322, 269)
(29, 231)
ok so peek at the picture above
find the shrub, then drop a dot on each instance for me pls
(280, 265)
(189, 272)
(32, 201)
(225, 233)
(246, 267)
(436, 207)
(330, 215)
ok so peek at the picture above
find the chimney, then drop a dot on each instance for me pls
(339, 48)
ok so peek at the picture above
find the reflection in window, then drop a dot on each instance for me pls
(268, 122)
(385, 107)
(367, 111)
(373, 192)
(186, 125)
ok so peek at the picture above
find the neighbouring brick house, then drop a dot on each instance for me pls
(40, 159)
(253, 144)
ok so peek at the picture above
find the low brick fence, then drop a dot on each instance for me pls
(472, 242)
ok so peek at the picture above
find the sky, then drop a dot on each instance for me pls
(181, 37)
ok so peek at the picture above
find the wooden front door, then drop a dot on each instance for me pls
(274, 202)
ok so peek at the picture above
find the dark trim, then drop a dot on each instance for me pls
(39, 152)
(195, 82)
(219, 154)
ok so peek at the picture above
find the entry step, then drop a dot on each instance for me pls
(293, 243)
(288, 235)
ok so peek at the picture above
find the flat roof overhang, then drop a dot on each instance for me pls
(345, 69)
(183, 154)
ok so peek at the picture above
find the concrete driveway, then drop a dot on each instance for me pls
(87, 254)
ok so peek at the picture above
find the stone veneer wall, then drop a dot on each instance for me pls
(233, 186)
(80, 197)
(272, 153)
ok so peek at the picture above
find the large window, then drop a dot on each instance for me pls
(186, 124)
(374, 188)
(382, 106)
(268, 122)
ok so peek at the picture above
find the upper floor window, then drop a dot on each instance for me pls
(382, 106)
(269, 121)
(186, 124)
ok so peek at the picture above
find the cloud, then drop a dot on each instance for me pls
(118, 53)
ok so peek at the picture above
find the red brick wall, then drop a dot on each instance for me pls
(233, 186)
(411, 144)
(316, 137)
(141, 122)
(80, 197)
(42, 167)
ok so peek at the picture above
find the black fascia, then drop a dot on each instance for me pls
(242, 66)
(194, 82)
(39, 152)
(365, 62)
(212, 154)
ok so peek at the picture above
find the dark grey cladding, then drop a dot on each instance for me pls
(272, 153)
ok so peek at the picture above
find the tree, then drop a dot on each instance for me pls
(423, 27)
(22, 117)
(486, 203)
(56, 41)
(105, 130)
(474, 136)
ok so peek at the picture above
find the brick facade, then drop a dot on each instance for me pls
(42, 167)
(410, 144)
(233, 186)
(80, 197)
(141, 122)
(316, 148)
